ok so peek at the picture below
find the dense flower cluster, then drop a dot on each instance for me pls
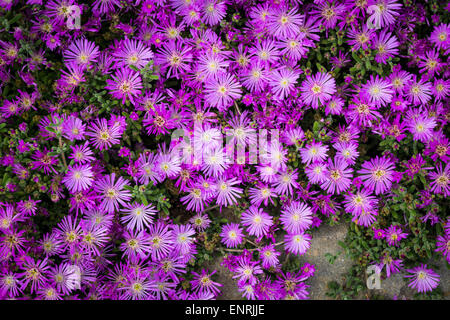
(115, 178)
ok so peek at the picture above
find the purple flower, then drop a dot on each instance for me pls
(221, 92)
(440, 183)
(422, 278)
(257, 221)
(394, 235)
(283, 23)
(296, 217)
(112, 193)
(133, 53)
(269, 256)
(78, 178)
(360, 202)
(316, 151)
(126, 85)
(297, 243)
(318, 88)
(338, 176)
(247, 270)
(382, 12)
(377, 174)
(82, 52)
(378, 91)
(137, 215)
(282, 82)
(231, 235)
(202, 283)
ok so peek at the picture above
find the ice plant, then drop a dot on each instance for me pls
(147, 141)
(318, 88)
(377, 174)
(422, 278)
(126, 84)
(112, 192)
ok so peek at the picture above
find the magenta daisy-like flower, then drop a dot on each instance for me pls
(161, 240)
(347, 151)
(377, 174)
(366, 218)
(394, 235)
(44, 161)
(296, 217)
(211, 65)
(338, 176)
(440, 36)
(295, 47)
(392, 265)
(286, 182)
(214, 162)
(360, 202)
(10, 285)
(314, 152)
(227, 194)
(133, 53)
(137, 216)
(183, 240)
(147, 169)
(112, 192)
(283, 23)
(82, 52)
(136, 245)
(318, 88)
(169, 164)
(422, 278)
(79, 177)
(103, 136)
(378, 91)
(213, 11)
(195, 199)
(82, 153)
(269, 256)
(297, 243)
(231, 235)
(174, 56)
(202, 283)
(126, 84)
(360, 39)
(420, 125)
(59, 10)
(221, 92)
(136, 286)
(266, 52)
(361, 112)
(430, 63)
(73, 128)
(441, 89)
(443, 246)
(200, 221)
(316, 172)
(386, 46)
(282, 82)
(247, 270)
(35, 272)
(418, 91)
(334, 106)
(255, 77)
(329, 12)
(382, 12)
(257, 221)
(440, 183)
(438, 148)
